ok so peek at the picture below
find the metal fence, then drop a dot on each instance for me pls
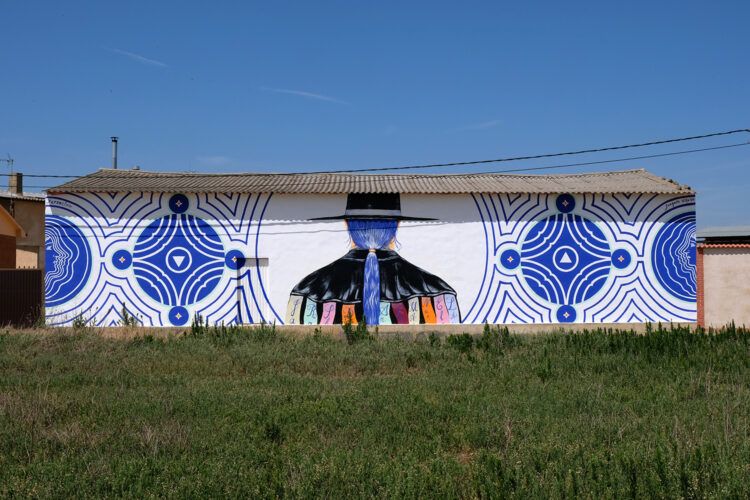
(21, 297)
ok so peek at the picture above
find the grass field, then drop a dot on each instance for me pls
(253, 413)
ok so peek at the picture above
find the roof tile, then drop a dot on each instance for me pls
(626, 181)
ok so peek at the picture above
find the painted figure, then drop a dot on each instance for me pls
(372, 282)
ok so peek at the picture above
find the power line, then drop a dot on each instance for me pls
(550, 155)
(506, 171)
(434, 165)
(601, 162)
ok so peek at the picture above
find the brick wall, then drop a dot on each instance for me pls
(699, 281)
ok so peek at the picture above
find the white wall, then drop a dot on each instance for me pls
(463, 247)
(297, 247)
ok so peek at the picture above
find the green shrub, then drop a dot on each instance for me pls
(496, 339)
(80, 322)
(461, 342)
(127, 319)
(355, 333)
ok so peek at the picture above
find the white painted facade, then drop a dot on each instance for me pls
(464, 247)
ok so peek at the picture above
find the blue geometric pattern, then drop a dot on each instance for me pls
(164, 258)
(674, 254)
(67, 260)
(565, 259)
(592, 258)
(178, 260)
(544, 258)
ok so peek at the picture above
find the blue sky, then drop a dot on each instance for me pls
(290, 86)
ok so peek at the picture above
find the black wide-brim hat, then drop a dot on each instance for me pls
(373, 206)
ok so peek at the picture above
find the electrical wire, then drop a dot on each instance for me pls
(429, 165)
(505, 171)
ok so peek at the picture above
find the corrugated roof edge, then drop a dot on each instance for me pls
(724, 232)
(25, 196)
(107, 180)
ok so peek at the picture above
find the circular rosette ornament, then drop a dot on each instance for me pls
(565, 259)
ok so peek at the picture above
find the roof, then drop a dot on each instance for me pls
(725, 237)
(725, 232)
(14, 225)
(626, 181)
(723, 245)
(25, 196)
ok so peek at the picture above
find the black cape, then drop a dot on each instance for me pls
(343, 280)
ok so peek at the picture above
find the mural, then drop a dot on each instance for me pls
(67, 260)
(165, 258)
(524, 258)
(372, 282)
(591, 258)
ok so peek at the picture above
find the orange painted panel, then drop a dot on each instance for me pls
(427, 311)
(348, 315)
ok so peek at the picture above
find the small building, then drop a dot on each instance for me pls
(10, 231)
(27, 213)
(611, 247)
(21, 255)
(724, 276)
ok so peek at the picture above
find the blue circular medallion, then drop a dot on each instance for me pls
(510, 259)
(565, 259)
(621, 258)
(122, 259)
(566, 314)
(673, 256)
(178, 260)
(565, 203)
(67, 260)
(178, 316)
(234, 259)
(179, 203)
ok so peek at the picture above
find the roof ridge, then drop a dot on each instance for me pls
(618, 181)
(331, 174)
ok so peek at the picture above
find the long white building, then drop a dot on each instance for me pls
(385, 249)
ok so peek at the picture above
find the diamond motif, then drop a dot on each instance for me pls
(565, 259)
(189, 257)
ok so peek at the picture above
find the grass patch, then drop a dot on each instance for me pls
(249, 412)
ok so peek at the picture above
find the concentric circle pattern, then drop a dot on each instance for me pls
(594, 257)
(178, 260)
(673, 256)
(67, 260)
(565, 259)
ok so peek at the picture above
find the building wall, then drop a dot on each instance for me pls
(27, 257)
(7, 252)
(30, 216)
(726, 276)
(510, 258)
